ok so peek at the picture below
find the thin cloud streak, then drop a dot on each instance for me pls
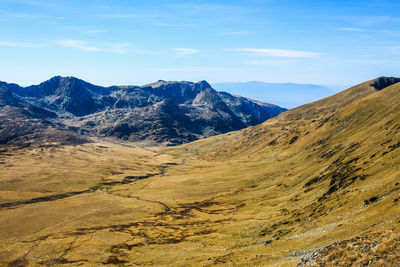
(86, 29)
(95, 31)
(130, 16)
(351, 29)
(85, 46)
(198, 7)
(268, 62)
(237, 33)
(19, 45)
(34, 3)
(368, 21)
(395, 49)
(185, 51)
(35, 16)
(203, 69)
(269, 52)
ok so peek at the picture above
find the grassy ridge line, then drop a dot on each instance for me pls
(256, 139)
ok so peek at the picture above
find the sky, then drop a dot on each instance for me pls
(137, 42)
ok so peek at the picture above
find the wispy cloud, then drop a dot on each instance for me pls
(351, 29)
(19, 45)
(95, 31)
(28, 2)
(395, 49)
(185, 51)
(130, 16)
(121, 48)
(205, 69)
(86, 29)
(268, 62)
(269, 52)
(237, 33)
(373, 20)
(368, 21)
(175, 25)
(212, 7)
(156, 19)
(35, 16)
(42, 3)
(81, 45)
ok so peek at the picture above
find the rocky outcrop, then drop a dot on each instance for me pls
(383, 82)
(170, 112)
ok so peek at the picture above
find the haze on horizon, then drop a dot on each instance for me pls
(137, 42)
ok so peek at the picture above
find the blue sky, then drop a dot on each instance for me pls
(136, 42)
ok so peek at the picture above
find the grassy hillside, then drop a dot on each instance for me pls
(319, 183)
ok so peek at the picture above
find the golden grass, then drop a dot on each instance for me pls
(379, 248)
(264, 196)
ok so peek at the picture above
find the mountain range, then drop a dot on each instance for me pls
(317, 185)
(69, 109)
(288, 95)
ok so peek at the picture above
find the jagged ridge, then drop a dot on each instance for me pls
(172, 112)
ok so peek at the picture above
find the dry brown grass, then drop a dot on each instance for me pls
(379, 248)
(264, 196)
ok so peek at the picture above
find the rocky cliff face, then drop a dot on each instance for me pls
(170, 112)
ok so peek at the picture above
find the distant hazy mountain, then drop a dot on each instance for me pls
(69, 109)
(288, 95)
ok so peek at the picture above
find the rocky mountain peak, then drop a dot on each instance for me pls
(164, 111)
(179, 92)
(60, 85)
(202, 85)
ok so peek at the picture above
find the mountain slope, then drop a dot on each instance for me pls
(170, 112)
(317, 184)
(333, 161)
(281, 130)
(21, 121)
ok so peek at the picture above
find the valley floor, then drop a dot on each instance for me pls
(107, 204)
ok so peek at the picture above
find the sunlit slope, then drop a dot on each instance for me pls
(265, 196)
(331, 168)
(280, 131)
